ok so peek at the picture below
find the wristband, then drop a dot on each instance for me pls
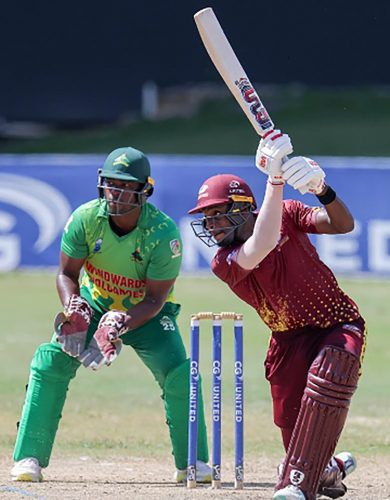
(328, 197)
(275, 183)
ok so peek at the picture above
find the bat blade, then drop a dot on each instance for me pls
(231, 71)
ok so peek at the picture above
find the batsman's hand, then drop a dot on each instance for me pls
(106, 344)
(304, 174)
(273, 147)
(72, 324)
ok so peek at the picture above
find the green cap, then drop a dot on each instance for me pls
(127, 164)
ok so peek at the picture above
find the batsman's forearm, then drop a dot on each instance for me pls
(340, 217)
(268, 222)
(336, 213)
(266, 232)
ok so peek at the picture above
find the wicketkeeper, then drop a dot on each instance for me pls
(318, 335)
(130, 253)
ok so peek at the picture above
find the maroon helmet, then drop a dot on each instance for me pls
(221, 189)
(229, 190)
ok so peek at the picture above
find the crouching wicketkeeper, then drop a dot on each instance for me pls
(131, 254)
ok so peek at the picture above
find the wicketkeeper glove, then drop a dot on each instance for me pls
(106, 344)
(304, 174)
(72, 324)
(273, 147)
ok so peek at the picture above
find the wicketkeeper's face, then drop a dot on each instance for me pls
(122, 196)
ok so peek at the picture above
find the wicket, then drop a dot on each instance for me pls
(216, 397)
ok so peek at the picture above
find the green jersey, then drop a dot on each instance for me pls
(116, 267)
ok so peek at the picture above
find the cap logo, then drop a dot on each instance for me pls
(234, 184)
(202, 191)
(121, 160)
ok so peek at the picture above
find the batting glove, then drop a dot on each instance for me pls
(106, 344)
(273, 147)
(304, 174)
(72, 324)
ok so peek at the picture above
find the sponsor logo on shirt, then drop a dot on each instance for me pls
(117, 286)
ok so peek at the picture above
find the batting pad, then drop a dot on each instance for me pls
(331, 382)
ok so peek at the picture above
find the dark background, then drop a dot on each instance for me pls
(86, 61)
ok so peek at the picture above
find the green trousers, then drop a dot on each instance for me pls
(159, 345)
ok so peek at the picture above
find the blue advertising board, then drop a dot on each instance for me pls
(38, 193)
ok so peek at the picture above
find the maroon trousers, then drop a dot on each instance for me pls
(288, 361)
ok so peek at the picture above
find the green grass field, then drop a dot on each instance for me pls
(118, 410)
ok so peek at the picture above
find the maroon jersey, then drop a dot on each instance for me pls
(291, 288)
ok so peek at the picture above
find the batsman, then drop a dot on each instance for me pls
(129, 254)
(318, 335)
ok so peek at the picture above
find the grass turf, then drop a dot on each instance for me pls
(119, 410)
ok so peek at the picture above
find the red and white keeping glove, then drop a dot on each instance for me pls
(304, 174)
(72, 325)
(272, 149)
(106, 344)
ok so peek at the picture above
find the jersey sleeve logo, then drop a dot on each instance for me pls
(175, 248)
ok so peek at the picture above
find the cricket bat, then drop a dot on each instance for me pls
(231, 71)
